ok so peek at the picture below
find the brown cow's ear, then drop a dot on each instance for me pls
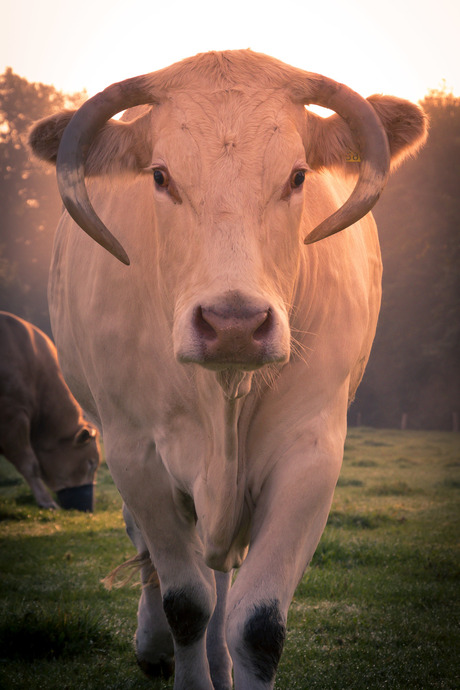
(329, 143)
(83, 436)
(118, 147)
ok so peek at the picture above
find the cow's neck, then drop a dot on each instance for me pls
(220, 489)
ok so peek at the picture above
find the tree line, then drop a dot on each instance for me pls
(413, 377)
(29, 201)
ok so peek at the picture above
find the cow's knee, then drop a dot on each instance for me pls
(257, 641)
(188, 615)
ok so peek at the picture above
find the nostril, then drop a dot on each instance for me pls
(265, 327)
(202, 326)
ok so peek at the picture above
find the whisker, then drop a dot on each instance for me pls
(266, 377)
(300, 350)
(299, 330)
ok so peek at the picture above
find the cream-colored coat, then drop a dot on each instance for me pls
(236, 467)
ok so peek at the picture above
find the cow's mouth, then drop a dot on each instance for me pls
(77, 498)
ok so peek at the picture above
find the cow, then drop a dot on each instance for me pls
(42, 430)
(214, 320)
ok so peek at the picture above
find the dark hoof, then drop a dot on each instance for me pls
(163, 669)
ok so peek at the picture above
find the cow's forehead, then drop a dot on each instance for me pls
(214, 113)
(215, 128)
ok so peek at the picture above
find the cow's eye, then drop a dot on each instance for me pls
(164, 181)
(161, 177)
(297, 178)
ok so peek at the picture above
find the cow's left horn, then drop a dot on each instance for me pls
(73, 150)
(372, 143)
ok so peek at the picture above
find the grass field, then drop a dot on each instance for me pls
(378, 608)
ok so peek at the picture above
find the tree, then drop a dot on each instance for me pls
(415, 364)
(28, 198)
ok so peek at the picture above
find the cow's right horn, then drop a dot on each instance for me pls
(372, 143)
(73, 150)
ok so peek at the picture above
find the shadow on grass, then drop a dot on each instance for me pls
(52, 632)
(338, 518)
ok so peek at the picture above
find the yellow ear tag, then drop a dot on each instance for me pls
(353, 157)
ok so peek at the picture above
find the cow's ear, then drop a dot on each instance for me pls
(45, 135)
(118, 147)
(329, 143)
(406, 125)
(83, 436)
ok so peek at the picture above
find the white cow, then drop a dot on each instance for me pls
(220, 363)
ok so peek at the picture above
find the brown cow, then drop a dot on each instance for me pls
(42, 431)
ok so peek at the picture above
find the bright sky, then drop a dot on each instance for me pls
(399, 47)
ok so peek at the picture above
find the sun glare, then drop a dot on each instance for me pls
(356, 43)
(336, 49)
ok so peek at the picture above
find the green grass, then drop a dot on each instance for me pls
(378, 608)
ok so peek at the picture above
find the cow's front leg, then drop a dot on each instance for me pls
(28, 466)
(18, 450)
(154, 645)
(219, 659)
(289, 519)
(187, 585)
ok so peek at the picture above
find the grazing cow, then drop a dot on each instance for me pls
(42, 431)
(219, 354)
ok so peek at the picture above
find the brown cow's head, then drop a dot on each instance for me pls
(69, 466)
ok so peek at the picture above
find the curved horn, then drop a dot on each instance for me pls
(73, 150)
(365, 126)
(372, 143)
